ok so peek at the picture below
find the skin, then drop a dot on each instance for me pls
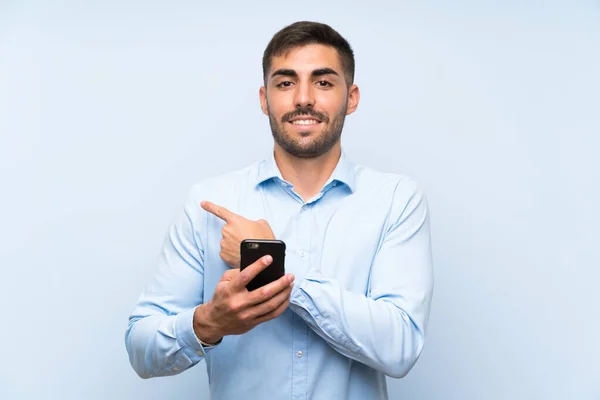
(306, 82)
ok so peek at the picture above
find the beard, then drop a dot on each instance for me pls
(314, 146)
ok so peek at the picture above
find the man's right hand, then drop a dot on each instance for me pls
(234, 310)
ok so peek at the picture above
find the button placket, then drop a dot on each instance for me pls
(300, 363)
(300, 339)
(304, 228)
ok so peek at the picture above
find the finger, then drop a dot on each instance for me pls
(272, 304)
(273, 314)
(218, 211)
(248, 273)
(271, 289)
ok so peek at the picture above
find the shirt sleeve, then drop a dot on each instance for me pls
(160, 338)
(384, 329)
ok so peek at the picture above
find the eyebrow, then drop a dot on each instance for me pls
(292, 73)
(324, 71)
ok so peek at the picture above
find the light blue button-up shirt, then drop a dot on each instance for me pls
(360, 250)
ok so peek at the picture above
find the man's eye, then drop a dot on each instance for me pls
(284, 84)
(323, 83)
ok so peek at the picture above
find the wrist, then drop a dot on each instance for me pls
(205, 329)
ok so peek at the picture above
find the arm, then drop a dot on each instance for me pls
(160, 338)
(384, 329)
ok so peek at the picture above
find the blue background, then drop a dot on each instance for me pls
(111, 110)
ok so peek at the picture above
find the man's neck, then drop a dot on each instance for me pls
(308, 175)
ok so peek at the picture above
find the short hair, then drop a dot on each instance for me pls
(303, 33)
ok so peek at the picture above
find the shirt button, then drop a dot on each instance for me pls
(302, 253)
(304, 208)
(200, 353)
(175, 369)
(334, 183)
(299, 354)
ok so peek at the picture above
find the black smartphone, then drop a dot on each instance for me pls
(253, 249)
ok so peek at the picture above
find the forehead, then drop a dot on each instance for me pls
(305, 59)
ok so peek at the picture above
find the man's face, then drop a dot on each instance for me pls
(307, 99)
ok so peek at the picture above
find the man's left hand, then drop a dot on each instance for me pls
(236, 229)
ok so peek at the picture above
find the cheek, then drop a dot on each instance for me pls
(277, 106)
(332, 103)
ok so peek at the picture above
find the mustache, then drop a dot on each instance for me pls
(305, 111)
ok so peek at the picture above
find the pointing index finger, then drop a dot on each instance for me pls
(218, 211)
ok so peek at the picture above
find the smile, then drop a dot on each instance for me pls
(305, 122)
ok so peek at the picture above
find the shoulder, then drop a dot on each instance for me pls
(222, 188)
(400, 193)
(398, 184)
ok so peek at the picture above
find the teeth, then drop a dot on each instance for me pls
(304, 122)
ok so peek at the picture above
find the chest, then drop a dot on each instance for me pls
(339, 235)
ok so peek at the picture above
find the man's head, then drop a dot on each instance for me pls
(308, 88)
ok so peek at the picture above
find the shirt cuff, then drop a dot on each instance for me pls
(186, 337)
(301, 294)
(312, 275)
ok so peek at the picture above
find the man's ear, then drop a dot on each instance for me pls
(353, 99)
(262, 94)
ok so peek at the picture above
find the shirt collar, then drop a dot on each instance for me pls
(344, 172)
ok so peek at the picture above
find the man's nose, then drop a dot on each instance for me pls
(305, 95)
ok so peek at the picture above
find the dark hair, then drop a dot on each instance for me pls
(303, 33)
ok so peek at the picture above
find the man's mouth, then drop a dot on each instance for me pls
(305, 122)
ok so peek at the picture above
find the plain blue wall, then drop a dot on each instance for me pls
(110, 111)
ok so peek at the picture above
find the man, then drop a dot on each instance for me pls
(355, 302)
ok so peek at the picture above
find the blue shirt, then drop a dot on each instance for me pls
(360, 250)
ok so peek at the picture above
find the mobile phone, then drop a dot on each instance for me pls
(253, 249)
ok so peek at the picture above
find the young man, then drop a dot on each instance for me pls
(355, 302)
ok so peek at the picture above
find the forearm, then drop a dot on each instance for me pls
(378, 333)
